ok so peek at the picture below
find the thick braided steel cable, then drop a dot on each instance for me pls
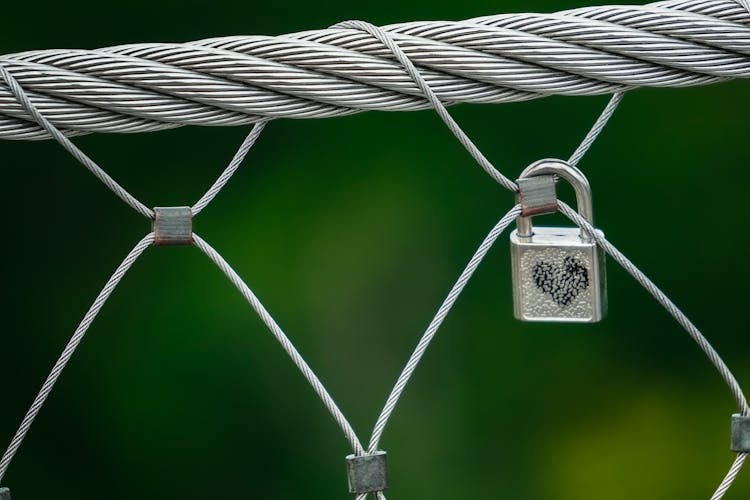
(334, 72)
(70, 349)
(684, 322)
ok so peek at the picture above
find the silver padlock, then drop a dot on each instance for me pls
(558, 272)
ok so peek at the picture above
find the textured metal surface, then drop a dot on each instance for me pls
(740, 434)
(335, 72)
(173, 226)
(368, 473)
(537, 195)
(557, 277)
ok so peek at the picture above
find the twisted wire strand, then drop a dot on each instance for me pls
(432, 98)
(683, 320)
(23, 99)
(730, 477)
(436, 323)
(339, 71)
(70, 349)
(596, 130)
(230, 170)
(282, 338)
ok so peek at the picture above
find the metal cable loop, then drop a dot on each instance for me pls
(495, 59)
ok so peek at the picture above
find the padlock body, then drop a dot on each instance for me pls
(558, 277)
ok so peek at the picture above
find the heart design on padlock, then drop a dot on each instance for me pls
(563, 283)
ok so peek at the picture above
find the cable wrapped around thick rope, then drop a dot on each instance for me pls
(325, 73)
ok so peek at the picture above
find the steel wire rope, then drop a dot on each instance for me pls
(69, 350)
(707, 7)
(334, 72)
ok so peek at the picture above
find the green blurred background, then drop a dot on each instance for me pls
(351, 231)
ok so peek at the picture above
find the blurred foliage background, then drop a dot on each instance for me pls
(351, 231)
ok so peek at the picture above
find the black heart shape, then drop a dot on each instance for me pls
(563, 283)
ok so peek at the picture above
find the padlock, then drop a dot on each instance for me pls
(558, 272)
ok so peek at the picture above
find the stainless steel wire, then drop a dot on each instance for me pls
(684, 322)
(69, 350)
(340, 71)
(23, 99)
(287, 345)
(355, 66)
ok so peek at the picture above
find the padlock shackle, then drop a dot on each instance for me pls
(580, 185)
